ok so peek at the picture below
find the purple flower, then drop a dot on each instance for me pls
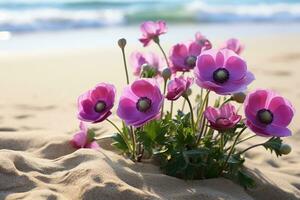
(141, 60)
(203, 41)
(95, 104)
(222, 71)
(140, 102)
(177, 87)
(268, 114)
(183, 56)
(234, 45)
(222, 118)
(84, 139)
(151, 30)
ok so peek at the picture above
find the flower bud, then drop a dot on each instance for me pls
(122, 43)
(239, 97)
(188, 92)
(156, 39)
(146, 67)
(166, 73)
(285, 149)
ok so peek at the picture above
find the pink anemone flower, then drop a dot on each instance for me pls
(268, 114)
(234, 45)
(203, 41)
(83, 139)
(140, 102)
(222, 71)
(95, 105)
(222, 118)
(152, 30)
(177, 87)
(151, 60)
(183, 56)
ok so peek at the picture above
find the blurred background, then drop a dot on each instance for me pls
(70, 19)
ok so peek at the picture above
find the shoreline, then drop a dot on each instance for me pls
(106, 37)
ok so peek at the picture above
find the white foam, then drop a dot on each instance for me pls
(56, 18)
(258, 11)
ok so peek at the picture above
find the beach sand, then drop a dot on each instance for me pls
(38, 117)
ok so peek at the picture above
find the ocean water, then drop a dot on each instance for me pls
(20, 16)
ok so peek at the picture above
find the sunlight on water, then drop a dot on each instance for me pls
(50, 15)
(5, 35)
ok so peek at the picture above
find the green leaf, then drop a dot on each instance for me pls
(274, 144)
(120, 143)
(91, 135)
(196, 152)
(149, 73)
(233, 160)
(160, 151)
(217, 102)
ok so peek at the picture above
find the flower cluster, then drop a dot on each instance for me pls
(203, 142)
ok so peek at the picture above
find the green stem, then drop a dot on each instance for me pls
(131, 128)
(205, 129)
(163, 103)
(114, 125)
(243, 140)
(164, 54)
(201, 118)
(256, 145)
(226, 101)
(222, 142)
(125, 65)
(171, 109)
(200, 112)
(192, 113)
(232, 149)
(121, 133)
(183, 104)
(133, 143)
(156, 40)
(216, 137)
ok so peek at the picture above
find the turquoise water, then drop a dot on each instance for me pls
(50, 15)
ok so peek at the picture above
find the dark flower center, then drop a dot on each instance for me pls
(265, 116)
(100, 106)
(221, 75)
(143, 104)
(190, 61)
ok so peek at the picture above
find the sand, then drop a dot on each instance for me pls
(38, 117)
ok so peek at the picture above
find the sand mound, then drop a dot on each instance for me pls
(35, 165)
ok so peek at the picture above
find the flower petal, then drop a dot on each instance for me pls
(205, 66)
(282, 111)
(79, 139)
(93, 145)
(212, 114)
(236, 67)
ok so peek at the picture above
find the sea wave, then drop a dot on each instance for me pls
(28, 16)
(56, 19)
(256, 12)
